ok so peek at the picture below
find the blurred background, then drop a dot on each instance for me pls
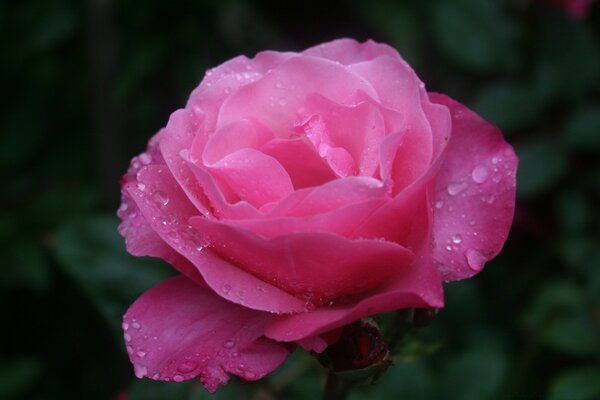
(86, 83)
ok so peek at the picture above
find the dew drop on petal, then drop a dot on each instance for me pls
(141, 186)
(439, 204)
(479, 174)
(178, 378)
(127, 337)
(140, 370)
(456, 239)
(161, 198)
(187, 367)
(136, 325)
(145, 158)
(125, 326)
(456, 188)
(229, 344)
(475, 259)
(141, 353)
(226, 288)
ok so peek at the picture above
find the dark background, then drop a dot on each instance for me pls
(86, 83)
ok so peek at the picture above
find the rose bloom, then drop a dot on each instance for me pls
(297, 193)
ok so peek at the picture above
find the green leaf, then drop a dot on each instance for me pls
(476, 35)
(93, 253)
(582, 131)
(572, 334)
(577, 384)
(18, 375)
(542, 163)
(508, 105)
(475, 374)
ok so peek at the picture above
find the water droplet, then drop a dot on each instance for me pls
(139, 370)
(141, 186)
(156, 377)
(456, 239)
(129, 350)
(187, 367)
(475, 259)
(235, 354)
(449, 248)
(240, 294)
(178, 378)
(229, 344)
(497, 178)
(127, 337)
(249, 375)
(282, 103)
(160, 198)
(226, 288)
(145, 158)
(135, 325)
(123, 207)
(439, 204)
(495, 160)
(141, 353)
(479, 174)
(456, 188)
(125, 326)
(472, 222)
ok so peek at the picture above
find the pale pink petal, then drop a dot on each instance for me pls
(316, 266)
(276, 97)
(253, 176)
(474, 194)
(304, 166)
(349, 51)
(221, 81)
(358, 129)
(418, 285)
(230, 138)
(179, 330)
(169, 219)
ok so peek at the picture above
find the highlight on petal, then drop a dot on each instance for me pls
(350, 51)
(474, 194)
(178, 331)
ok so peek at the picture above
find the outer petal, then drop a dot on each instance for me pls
(169, 219)
(178, 331)
(317, 266)
(419, 285)
(474, 194)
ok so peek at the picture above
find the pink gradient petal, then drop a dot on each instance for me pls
(221, 81)
(299, 158)
(169, 219)
(358, 129)
(230, 138)
(349, 51)
(183, 128)
(419, 285)
(331, 196)
(474, 194)
(276, 97)
(315, 266)
(253, 176)
(178, 330)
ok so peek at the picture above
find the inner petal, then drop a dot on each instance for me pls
(348, 137)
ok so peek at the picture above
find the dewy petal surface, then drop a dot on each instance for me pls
(178, 331)
(474, 194)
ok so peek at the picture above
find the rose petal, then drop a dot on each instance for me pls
(304, 166)
(474, 194)
(178, 331)
(221, 81)
(253, 176)
(418, 285)
(170, 221)
(316, 266)
(230, 138)
(358, 129)
(349, 51)
(279, 94)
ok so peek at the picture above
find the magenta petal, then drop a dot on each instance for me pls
(316, 266)
(474, 194)
(419, 285)
(168, 217)
(178, 330)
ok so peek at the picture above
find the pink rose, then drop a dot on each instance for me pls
(297, 193)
